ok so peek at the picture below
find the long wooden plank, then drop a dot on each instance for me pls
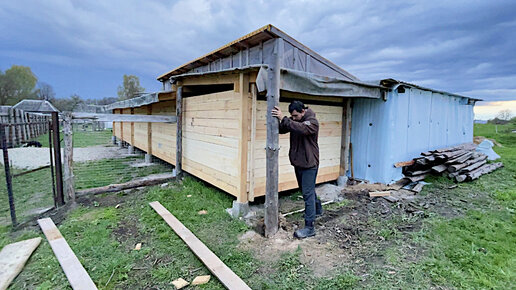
(74, 271)
(13, 258)
(229, 279)
(125, 118)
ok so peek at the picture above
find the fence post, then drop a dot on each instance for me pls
(8, 179)
(68, 156)
(57, 158)
(49, 124)
(179, 132)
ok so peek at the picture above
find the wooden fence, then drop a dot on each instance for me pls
(23, 126)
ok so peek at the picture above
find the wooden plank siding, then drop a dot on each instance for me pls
(330, 130)
(213, 127)
(126, 127)
(140, 130)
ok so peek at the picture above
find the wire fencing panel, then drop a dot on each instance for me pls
(28, 174)
(98, 162)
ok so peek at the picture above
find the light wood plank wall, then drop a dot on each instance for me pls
(330, 130)
(126, 127)
(211, 135)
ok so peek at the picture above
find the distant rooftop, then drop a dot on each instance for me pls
(40, 106)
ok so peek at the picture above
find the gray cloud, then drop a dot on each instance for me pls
(465, 47)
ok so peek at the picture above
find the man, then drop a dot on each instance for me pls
(304, 156)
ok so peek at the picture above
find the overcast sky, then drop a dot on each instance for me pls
(85, 47)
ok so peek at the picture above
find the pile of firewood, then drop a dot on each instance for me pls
(461, 163)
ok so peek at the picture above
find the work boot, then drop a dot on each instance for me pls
(307, 231)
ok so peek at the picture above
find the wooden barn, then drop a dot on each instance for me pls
(227, 137)
(224, 112)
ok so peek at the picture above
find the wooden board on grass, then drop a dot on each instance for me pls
(72, 267)
(227, 277)
(13, 258)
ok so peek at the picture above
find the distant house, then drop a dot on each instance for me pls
(35, 106)
(86, 108)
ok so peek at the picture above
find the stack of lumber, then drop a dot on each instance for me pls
(461, 163)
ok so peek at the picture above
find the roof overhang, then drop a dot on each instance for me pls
(392, 82)
(249, 40)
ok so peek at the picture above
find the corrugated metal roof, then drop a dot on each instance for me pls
(391, 82)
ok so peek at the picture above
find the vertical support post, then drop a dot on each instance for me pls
(8, 179)
(254, 96)
(68, 157)
(179, 132)
(121, 144)
(148, 154)
(243, 87)
(130, 148)
(18, 119)
(12, 120)
(272, 145)
(57, 158)
(346, 137)
(52, 171)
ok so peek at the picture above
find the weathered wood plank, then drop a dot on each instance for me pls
(244, 135)
(72, 267)
(485, 169)
(179, 132)
(458, 167)
(144, 181)
(254, 96)
(125, 118)
(13, 258)
(345, 137)
(272, 149)
(404, 163)
(68, 178)
(227, 277)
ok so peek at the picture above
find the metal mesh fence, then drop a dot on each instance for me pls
(26, 179)
(98, 162)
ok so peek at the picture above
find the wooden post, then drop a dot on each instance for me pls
(346, 137)
(243, 87)
(8, 177)
(57, 158)
(179, 132)
(121, 130)
(132, 129)
(149, 131)
(254, 96)
(68, 179)
(272, 145)
(22, 127)
(12, 129)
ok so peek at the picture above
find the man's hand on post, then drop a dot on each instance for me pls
(276, 112)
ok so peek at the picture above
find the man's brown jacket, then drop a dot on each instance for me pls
(304, 150)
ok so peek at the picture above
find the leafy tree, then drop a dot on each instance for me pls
(17, 83)
(130, 88)
(45, 92)
(504, 115)
(68, 104)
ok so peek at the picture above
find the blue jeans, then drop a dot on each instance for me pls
(306, 180)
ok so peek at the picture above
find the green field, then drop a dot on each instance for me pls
(465, 240)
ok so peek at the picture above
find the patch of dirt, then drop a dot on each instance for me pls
(355, 235)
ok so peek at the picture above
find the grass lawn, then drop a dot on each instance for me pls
(465, 240)
(33, 191)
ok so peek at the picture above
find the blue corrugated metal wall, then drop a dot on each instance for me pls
(399, 129)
